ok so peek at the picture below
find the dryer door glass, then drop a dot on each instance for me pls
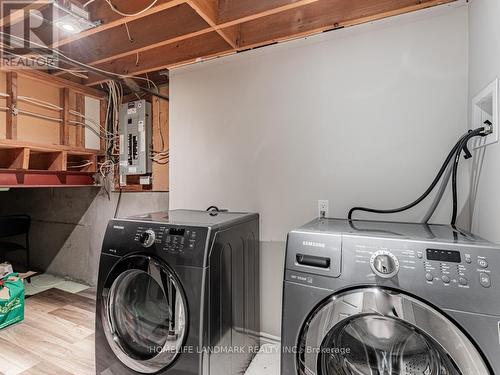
(372, 331)
(145, 315)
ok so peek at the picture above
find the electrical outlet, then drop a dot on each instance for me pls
(323, 208)
(485, 108)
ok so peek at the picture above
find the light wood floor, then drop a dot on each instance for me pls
(56, 337)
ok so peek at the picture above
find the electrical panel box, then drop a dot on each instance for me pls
(135, 139)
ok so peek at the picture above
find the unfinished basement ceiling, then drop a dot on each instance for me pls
(172, 33)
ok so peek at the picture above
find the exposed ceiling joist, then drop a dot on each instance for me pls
(322, 16)
(189, 50)
(100, 10)
(306, 20)
(201, 29)
(209, 10)
(136, 36)
(150, 32)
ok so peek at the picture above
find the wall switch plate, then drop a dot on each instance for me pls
(323, 208)
(485, 108)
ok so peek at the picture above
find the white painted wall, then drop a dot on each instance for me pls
(344, 116)
(484, 67)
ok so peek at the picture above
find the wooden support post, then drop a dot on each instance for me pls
(22, 159)
(93, 167)
(64, 129)
(58, 161)
(11, 103)
(160, 121)
(80, 130)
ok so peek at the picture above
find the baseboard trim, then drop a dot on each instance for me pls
(266, 338)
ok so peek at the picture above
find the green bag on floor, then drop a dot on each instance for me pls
(12, 309)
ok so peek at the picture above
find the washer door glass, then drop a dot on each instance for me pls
(144, 315)
(374, 331)
(382, 345)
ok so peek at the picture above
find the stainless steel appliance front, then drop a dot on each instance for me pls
(370, 331)
(379, 298)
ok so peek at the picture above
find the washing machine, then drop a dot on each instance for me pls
(379, 298)
(178, 294)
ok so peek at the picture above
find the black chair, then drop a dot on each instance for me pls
(13, 226)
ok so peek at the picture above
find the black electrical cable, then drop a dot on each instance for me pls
(117, 208)
(423, 196)
(479, 132)
(456, 150)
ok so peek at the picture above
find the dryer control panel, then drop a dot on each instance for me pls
(184, 245)
(171, 239)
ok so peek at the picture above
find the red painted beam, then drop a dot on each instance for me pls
(16, 178)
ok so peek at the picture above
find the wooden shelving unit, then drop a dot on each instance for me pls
(44, 148)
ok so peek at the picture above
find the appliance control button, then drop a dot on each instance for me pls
(429, 276)
(420, 255)
(463, 281)
(446, 279)
(468, 258)
(147, 238)
(384, 264)
(482, 263)
(484, 280)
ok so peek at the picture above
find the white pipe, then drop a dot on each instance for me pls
(39, 103)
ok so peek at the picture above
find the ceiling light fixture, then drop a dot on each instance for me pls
(75, 19)
(66, 26)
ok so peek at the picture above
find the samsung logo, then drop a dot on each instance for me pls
(118, 227)
(313, 244)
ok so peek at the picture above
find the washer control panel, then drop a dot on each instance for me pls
(433, 266)
(454, 268)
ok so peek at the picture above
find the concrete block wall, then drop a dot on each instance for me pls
(68, 224)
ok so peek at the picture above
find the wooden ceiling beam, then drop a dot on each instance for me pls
(232, 12)
(189, 50)
(176, 23)
(209, 11)
(322, 16)
(149, 33)
(100, 10)
(294, 19)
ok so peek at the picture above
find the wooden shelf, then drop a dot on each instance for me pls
(34, 146)
(42, 147)
(25, 164)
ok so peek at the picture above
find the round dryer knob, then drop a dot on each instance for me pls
(384, 264)
(147, 239)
